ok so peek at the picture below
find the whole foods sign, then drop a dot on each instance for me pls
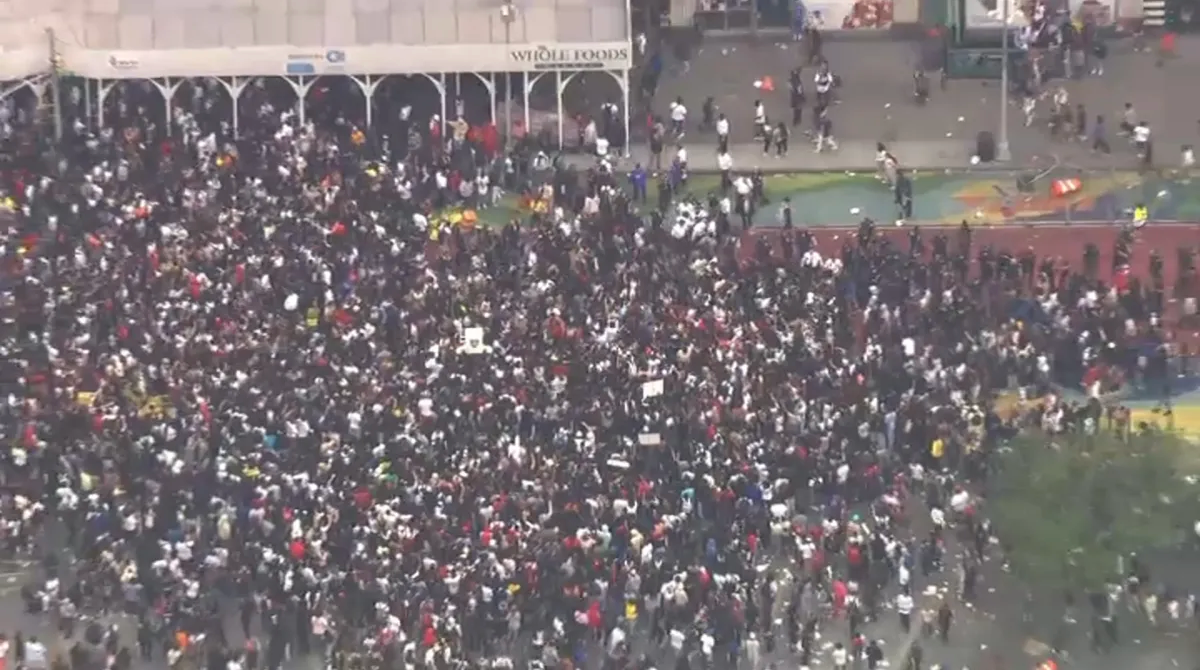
(569, 58)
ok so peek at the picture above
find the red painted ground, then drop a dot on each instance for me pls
(1060, 241)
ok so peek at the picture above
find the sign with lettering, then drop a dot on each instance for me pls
(381, 59)
(123, 63)
(568, 58)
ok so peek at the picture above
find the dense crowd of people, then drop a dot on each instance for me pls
(277, 371)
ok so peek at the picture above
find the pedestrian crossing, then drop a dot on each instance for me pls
(1154, 13)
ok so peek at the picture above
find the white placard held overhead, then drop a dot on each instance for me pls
(652, 389)
(472, 341)
(618, 463)
(650, 439)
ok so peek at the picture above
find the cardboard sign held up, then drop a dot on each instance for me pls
(652, 389)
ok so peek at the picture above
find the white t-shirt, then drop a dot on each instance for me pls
(677, 639)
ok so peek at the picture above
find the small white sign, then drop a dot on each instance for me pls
(650, 439)
(652, 389)
(472, 341)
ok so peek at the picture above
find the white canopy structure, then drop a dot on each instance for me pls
(235, 41)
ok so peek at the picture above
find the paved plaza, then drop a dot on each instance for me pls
(877, 105)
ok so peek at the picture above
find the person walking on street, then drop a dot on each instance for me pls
(874, 654)
(915, 656)
(36, 655)
(945, 616)
(904, 606)
(840, 656)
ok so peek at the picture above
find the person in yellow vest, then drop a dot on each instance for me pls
(938, 448)
(1141, 214)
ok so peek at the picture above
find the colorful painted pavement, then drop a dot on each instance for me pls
(841, 199)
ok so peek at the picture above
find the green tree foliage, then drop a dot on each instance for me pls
(1067, 506)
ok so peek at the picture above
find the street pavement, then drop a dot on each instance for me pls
(851, 155)
(877, 104)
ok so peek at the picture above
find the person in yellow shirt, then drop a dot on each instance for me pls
(1141, 214)
(938, 448)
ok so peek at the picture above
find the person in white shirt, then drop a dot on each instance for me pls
(602, 147)
(887, 164)
(36, 656)
(904, 607)
(1141, 141)
(938, 518)
(678, 117)
(725, 165)
(745, 202)
(760, 119)
(722, 134)
(840, 657)
(681, 157)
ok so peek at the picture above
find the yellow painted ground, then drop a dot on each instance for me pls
(983, 196)
(1186, 420)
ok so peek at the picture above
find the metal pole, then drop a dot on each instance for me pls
(1003, 153)
(55, 88)
(506, 15)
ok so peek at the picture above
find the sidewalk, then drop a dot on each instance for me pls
(858, 156)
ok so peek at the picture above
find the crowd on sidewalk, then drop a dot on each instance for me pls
(276, 372)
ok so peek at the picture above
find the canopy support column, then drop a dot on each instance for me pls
(530, 82)
(559, 85)
(367, 84)
(300, 85)
(167, 88)
(234, 86)
(442, 92)
(490, 83)
(102, 95)
(563, 82)
(439, 83)
(87, 103)
(625, 109)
